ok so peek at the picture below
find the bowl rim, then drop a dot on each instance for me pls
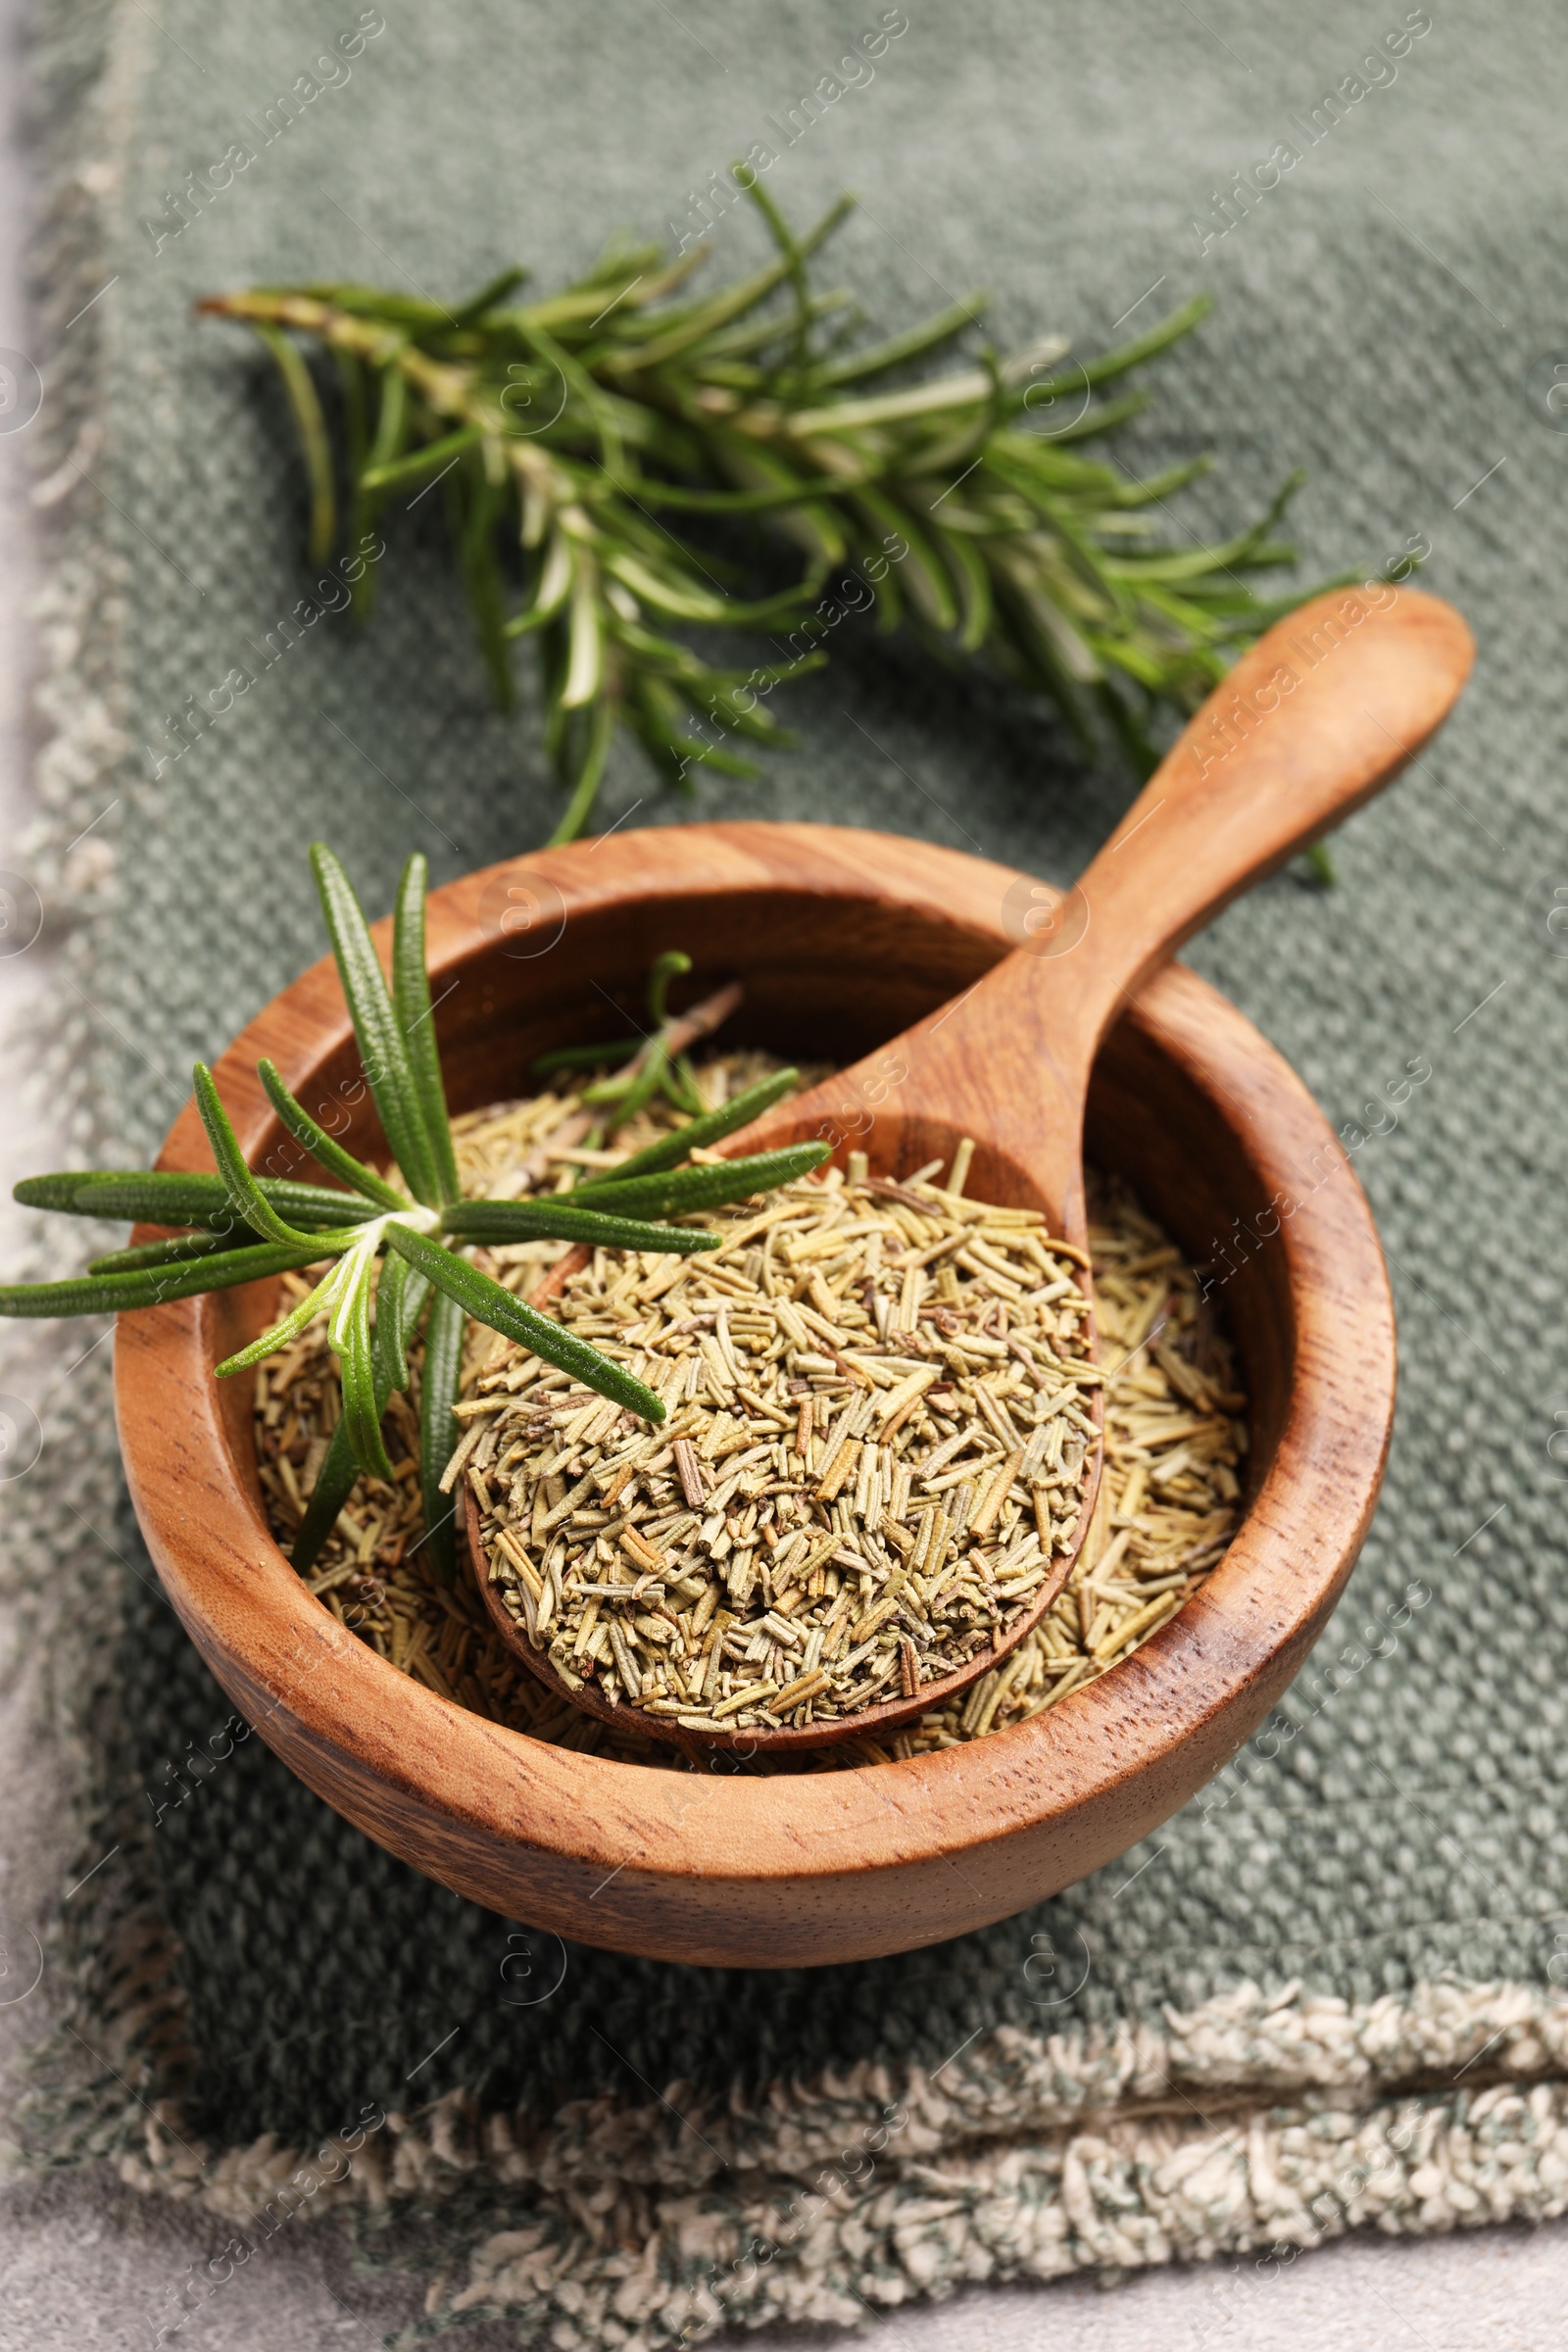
(388, 1747)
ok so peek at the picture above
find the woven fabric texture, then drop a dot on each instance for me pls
(1388, 318)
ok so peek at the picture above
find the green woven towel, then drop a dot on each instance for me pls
(1374, 1901)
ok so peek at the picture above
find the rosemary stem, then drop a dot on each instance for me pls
(563, 430)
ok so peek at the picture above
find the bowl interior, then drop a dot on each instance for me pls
(823, 982)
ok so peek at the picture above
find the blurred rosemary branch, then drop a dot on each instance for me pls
(575, 440)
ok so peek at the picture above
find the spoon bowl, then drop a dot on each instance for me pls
(887, 1716)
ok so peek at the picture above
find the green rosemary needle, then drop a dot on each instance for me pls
(391, 1257)
(575, 438)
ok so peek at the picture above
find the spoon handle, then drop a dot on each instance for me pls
(1320, 714)
(1313, 719)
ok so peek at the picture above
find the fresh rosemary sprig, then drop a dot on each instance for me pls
(386, 1249)
(568, 435)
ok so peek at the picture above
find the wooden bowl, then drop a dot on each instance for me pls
(842, 937)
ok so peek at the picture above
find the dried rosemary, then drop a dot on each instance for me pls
(1168, 1496)
(875, 1447)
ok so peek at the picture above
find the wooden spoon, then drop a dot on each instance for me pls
(1315, 717)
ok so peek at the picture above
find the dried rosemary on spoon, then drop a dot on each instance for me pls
(876, 1449)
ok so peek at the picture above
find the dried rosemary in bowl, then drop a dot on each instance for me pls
(875, 1446)
(1168, 1498)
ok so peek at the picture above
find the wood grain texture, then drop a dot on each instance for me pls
(842, 937)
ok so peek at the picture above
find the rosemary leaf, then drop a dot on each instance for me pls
(575, 1058)
(153, 1286)
(421, 465)
(399, 1302)
(701, 1133)
(438, 1423)
(178, 1251)
(350, 1335)
(394, 1324)
(486, 1300)
(276, 1338)
(384, 1053)
(313, 442)
(411, 995)
(172, 1197)
(245, 1196)
(559, 1218)
(682, 1190)
(332, 1156)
